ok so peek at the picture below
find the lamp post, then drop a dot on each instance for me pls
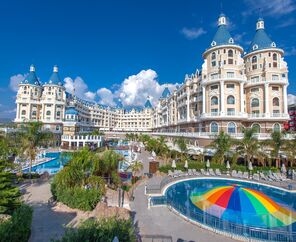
(208, 164)
(227, 167)
(250, 167)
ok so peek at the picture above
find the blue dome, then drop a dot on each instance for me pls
(55, 79)
(31, 78)
(71, 111)
(166, 92)
(261, 41)
(148, 104)
(222, 37)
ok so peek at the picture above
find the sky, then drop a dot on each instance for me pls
(128, 50)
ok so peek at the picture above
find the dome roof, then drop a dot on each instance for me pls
(55, 79)
(261, 40)
(222, 36)
(148, 104)
(31, 78)
(166, 92)
(71, 111)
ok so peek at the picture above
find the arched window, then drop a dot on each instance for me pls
(231, 128)
(47, 113)
(214, 127)
(58, 113)
(34, 113)
(254, 59)
(230, 100)
(274, 57)
(255, 103)
(214, 100)
(230, 53)
(276, 102)
(23, 112)
(214, 56)
(256, 127)
(276, 127)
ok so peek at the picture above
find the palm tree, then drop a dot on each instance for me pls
(222, 144)
(136, 167)
(248, 146)
(32, 137)
(276, 143)
(181, 143)
(290, 150)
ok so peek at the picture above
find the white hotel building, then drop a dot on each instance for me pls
(233, 89)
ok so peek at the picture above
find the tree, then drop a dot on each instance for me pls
(136, 167)
(222, 144)
(32, 138)
(9, 194)
(181, 143)
(248, 146)
(276, 143)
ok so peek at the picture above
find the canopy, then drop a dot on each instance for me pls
(244, 206)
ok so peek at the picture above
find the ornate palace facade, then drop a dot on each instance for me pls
(233, 89)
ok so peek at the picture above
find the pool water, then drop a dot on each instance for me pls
(52, 166)
(237, 207)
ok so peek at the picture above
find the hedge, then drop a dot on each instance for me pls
(18, 227)
(103, 230)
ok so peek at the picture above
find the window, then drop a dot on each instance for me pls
(256, 89)
(214, 100)
(230, 100)
(34, 113)
(58, 113)
(48, 113)
(230, 61)
(23, 112)
(231, 128)
(277, 127)
(274, 57)
(213, 63)
(214, 87)
(230, 74)
(274, 88)
(214, 111)
(230, 86)
(230, 53)
(230, 111)
(214, 76)
(254, 62)
(255, 79)
(214, 127)
(213, 56)
(276, 102)
(255, 102)
(275, 77)
(256, 128)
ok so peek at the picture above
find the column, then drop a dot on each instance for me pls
(188, 104)
(266, 99)
(285, 99)
(222, 111)
(242, 97)
(203, 99)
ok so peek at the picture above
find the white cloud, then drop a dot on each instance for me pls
(15, 80)
(135, 89)
(193, 33)
(80, 87)
(286, 23)
(290, 51)
(106, 97)
(291, 99)
(274, 8)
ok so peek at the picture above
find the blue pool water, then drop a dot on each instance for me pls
(52, 166)
(242, 208)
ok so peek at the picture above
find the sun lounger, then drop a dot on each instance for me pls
(256, 177)
(190, 172)
(239, 174)
(234, 173)
(203, 172)
(170, 173)
(211, 172)
(218, 172)
(246, 175)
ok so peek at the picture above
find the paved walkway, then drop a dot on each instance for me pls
(47, 223)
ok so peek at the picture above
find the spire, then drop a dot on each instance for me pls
(148, 103)
(261, 40)
(166, 92)
(31, 78)
(55, 79)
(222, 36)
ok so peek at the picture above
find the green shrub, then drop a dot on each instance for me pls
(77, 197)
(18, 227)
(103, 230)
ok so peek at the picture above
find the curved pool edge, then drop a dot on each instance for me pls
(164, 189)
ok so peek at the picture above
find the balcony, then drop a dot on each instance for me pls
(268, 115)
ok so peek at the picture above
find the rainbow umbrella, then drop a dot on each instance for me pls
(243, 205)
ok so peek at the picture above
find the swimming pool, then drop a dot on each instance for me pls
(53, 166)
(241, 208)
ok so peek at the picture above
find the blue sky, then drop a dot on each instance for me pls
(126, 49)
